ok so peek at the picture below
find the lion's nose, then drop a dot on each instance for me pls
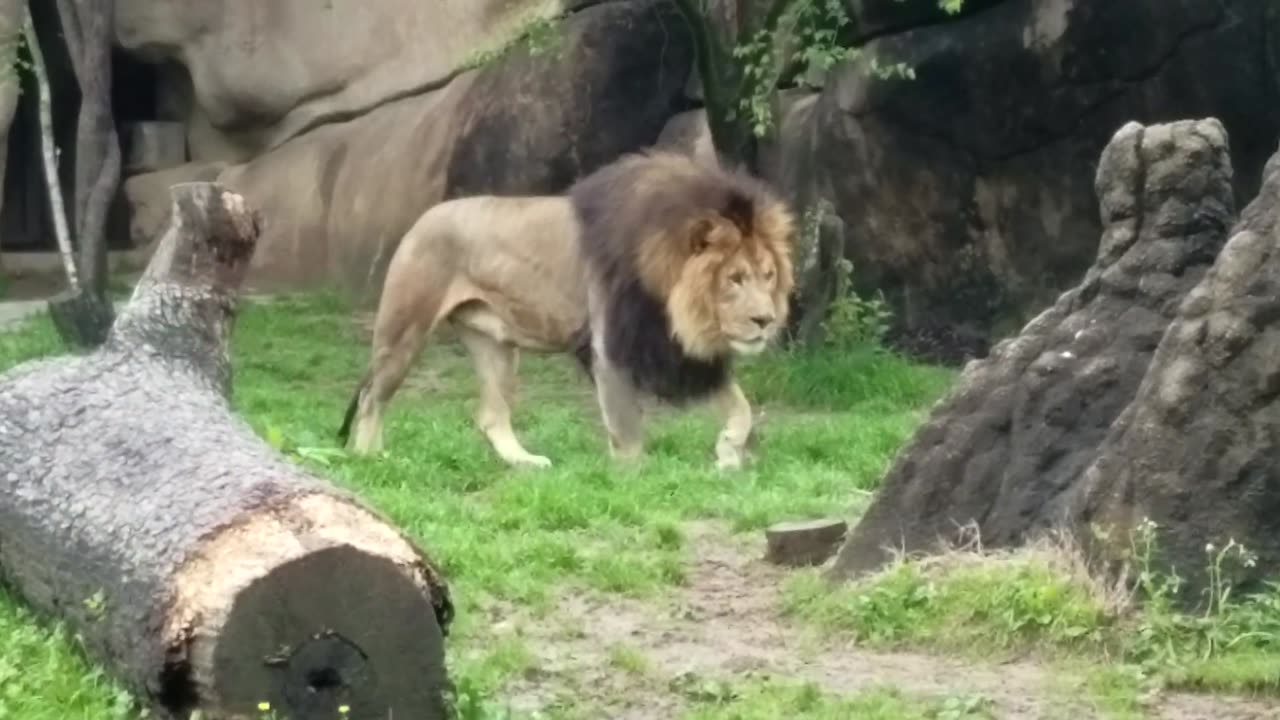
(762, 320)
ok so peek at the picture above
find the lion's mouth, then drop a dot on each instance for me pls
(748, 346)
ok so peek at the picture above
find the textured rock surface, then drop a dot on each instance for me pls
(1198, 451)
(1005, 449)
(968, 191)
(263, 71)
(339, 197)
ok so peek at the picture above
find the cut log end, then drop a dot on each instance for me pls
(334, 627)
(308, 607)
(798, 544)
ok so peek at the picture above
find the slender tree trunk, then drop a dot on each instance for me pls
(88, 26)
(84, 315)
(724, 83)
(12, 18)
(50, 154)
(204, 570)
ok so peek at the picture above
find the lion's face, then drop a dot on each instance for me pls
(746, 303)
(733, 290)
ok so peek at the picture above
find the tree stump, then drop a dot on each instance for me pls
(803, 543)
(204, 569)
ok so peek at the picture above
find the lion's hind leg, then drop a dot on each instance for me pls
(495, 364)
(411, 309)
(391, 361)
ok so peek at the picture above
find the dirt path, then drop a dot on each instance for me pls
(724, 623)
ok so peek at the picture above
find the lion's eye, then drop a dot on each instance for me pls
(768, 276)
(737, 278)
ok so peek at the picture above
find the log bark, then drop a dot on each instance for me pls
(206, 570)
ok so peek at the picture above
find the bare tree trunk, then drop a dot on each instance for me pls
(722, 76)
(207, 572)
(88, 26)
(50, 152)
(13, 15)
(84, 315)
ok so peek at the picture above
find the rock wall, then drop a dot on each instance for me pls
(338, 196)
(262, 72)
(967, 192)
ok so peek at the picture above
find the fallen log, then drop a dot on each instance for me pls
(202, 568)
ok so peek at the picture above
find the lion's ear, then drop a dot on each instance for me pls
(740, 211)
(700, 235)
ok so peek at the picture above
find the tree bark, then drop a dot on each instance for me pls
(84, 315)
(723, 81)
(50, 154)
(12, 18)
(88, 26)
(207, 571)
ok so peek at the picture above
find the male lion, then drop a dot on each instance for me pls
(654, 271)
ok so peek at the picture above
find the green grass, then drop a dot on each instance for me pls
(1042, 600)
(523, 536)
(43, 676)
(526, 537)
(974, 606)
(769, 699)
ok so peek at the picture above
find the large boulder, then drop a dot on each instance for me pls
(262, 72)
(339, 197)
(967, 191)
(1004, 453)
(1198, 450)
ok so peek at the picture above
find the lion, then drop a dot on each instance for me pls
(654, 272)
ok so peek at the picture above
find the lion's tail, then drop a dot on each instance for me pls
(345, 431)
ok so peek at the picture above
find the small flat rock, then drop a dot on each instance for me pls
(806, 542)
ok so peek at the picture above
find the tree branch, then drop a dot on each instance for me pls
(50, 152)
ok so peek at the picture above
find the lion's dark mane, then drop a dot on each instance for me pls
(616, 206)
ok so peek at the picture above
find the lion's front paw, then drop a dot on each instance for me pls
(534, 461)
(625, 453)
(525, 459)
(729, 461)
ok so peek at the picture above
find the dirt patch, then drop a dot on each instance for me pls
(622, 658)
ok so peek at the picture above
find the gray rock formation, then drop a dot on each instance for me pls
(530, 124)
(260, 73)
(1005, 451)
(1198, 450)
(341, 178)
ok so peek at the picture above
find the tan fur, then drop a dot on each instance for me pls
(506, 272)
